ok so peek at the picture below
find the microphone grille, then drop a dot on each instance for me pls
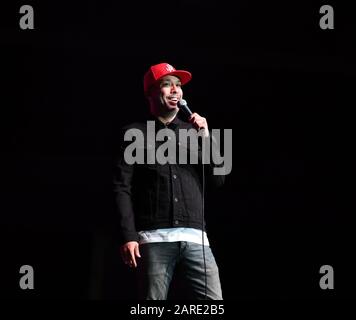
(183, 102)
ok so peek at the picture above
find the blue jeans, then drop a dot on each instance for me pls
(159, 261)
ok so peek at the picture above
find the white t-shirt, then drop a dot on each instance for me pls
(173, 235)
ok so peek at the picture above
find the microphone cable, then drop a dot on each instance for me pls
(182, 104)
(202, 218)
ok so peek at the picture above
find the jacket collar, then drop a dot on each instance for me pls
(160, 125)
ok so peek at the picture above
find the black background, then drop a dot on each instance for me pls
(264, 69)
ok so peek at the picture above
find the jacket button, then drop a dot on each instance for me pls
(176, 199)
(176, 222)
(174, 176)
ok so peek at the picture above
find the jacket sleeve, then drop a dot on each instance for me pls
(123, 195)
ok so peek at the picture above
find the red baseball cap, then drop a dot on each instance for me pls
(163, 69)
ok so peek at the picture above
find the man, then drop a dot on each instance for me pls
(161, 205)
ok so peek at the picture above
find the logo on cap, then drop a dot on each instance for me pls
(169, 68)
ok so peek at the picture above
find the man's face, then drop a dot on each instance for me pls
(168, 92)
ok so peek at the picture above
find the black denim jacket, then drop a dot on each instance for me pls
(152, 196)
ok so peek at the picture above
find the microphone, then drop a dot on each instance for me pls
(182, 105)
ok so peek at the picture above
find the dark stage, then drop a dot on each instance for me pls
(266, 70)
